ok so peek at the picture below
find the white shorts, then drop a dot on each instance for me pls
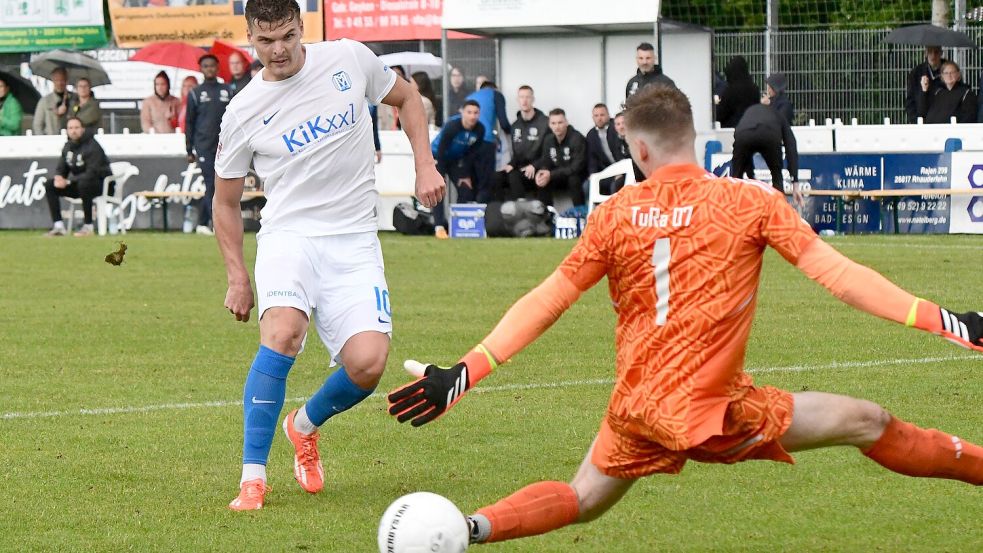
(340, 278)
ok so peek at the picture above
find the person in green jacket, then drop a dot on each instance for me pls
(11, 113)
(85, 106)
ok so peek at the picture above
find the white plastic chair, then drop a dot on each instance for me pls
(107, 205)
(594, 196)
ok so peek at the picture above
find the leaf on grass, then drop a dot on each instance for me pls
(116, 258)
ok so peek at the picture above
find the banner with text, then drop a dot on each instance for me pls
(36, 25)
(922, 214)
(22, 192)
(382, 20)
(199, 25)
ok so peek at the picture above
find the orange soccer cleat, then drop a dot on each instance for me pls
(307, 461)
(251, 495)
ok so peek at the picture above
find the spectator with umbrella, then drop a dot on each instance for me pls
(84, 105)
(933, 38)
(52, 111)
(953, 99)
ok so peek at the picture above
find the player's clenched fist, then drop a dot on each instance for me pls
(438, 388)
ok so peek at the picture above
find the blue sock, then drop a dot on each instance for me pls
(338, 394)
(262, 400)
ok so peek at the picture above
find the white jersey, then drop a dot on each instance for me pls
(310, 140)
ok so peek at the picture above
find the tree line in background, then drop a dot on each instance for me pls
(750, 15)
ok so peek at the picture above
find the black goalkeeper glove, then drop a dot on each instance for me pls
(962, 329)
(438, 388)
(427, 398)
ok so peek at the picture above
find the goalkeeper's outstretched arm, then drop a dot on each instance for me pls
(867, 290)
(438, 389)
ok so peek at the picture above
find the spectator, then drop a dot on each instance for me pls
(206, 106)
(953, 99)
(239, 71)
(159, 112)
(81, 168)
(776, 98)
(600, 154)
(621, 151)
(457, 92)
(492, 111)
(649, 72)
(255, 67)
(52, 110)
(187, 85)
(457, 149)
(564, 161)
(11, 113)
(931, 68)
(762, 130)
(529, 131)
(740, 94)
(421, 82)
(85, 106)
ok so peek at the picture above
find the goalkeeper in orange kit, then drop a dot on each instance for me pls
(683, 252)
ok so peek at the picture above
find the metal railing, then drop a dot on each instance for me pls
(840, 74)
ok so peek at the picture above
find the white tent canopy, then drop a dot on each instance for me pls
(544, 17)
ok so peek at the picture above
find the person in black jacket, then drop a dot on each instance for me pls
(741, 93)
(931, 68)
(564, 161)
(600, 154)
(762, 130)
(649, 72)
(776, 98)
(953, 99)
(206, 106)
(529, 131)
(82, 167)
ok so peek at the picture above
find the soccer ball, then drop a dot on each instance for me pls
(423, 522)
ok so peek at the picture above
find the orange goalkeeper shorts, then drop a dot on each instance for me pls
(752, 427)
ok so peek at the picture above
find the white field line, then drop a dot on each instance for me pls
(486, 389)
(915, 245)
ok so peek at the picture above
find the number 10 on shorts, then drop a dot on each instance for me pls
(382, 302)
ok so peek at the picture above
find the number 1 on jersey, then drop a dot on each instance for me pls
(660, 268)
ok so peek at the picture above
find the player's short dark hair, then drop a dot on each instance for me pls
(76, 118)
(600, 105)
(557, 111)
(646, 47)
(272, 11)
(526, 87)
(663, 113)
(202, 59)
(619, 114)
(487, 84)
(471, 103)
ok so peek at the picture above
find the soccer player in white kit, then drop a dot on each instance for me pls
(304, 123)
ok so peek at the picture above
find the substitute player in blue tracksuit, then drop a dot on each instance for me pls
(456, 150)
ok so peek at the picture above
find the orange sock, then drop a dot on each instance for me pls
(913, 451)
(533, 510)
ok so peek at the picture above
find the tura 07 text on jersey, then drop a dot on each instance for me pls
(654, 217)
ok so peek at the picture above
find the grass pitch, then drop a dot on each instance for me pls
(120, 428)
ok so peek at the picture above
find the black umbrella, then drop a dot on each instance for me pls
(77, 64)
(929, 35)
(22, 89)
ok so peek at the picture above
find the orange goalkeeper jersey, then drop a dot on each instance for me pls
(682, 252)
